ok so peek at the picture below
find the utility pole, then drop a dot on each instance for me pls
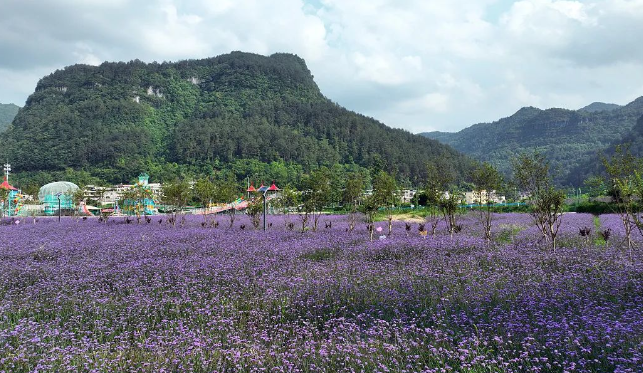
(7, 168)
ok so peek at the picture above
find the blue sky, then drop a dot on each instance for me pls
(422, 65)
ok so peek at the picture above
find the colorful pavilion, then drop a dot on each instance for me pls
(13, 204)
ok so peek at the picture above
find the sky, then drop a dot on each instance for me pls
(421, 65)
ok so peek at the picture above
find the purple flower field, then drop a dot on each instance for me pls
(81, 295)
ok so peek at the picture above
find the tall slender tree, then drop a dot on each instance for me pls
(385, 195)
(351, 197)
(532, 175)
(177, 194)
(624, 172)
(318, 193)
(227, 191)
(205, 193)
(486, 180)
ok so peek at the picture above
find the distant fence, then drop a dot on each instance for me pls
(512, 204)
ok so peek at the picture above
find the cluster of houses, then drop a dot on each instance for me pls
(469, 198)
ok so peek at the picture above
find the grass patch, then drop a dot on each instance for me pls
(598, 239)
(320, 255)
(508, 232)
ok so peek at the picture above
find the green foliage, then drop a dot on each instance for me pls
(254, 211)
(592, 207)
(596, 186)
(369, 209)
(624, 172)
(78, 196)
(320, 255)
(353, 190)
(508, 233)
(531, 175)
(317, 193)
(442, 194)
(177, 193)
(288, 198)
(204, 191)
(385, 194)
(486, 180)
(4, 195)
(227, 190)
(384, 189)
(7, 113)
(569, 139)
(353, 194)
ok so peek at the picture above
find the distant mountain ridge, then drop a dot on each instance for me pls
(7, 113)
(567, 137)
(599, 106)
(116, 120)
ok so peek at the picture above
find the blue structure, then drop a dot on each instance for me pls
(145, 204)
(49, 194)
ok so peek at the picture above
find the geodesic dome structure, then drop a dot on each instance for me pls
(48, 196)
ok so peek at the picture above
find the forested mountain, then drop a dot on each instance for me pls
(7, 113)
(594, 166)
(635, 138)
(599, 106)
(568, 138)
(118, 119)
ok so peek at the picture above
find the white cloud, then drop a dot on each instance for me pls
(85, 55)
(415, 64)
(17, 85)
(431, 102)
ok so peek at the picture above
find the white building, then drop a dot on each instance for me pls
(407, 195)
(483, 197)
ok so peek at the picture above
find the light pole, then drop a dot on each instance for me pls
(59, 209)
(7, 168)
(264, 190)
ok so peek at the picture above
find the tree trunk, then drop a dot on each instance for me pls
(316, 217)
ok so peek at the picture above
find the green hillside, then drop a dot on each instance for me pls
(635, 138)
(238, 111)
(7, 113)
(599, 106)
(568, 138)
(593, 165)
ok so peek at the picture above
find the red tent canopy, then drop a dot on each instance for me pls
(273, 187)
(252, 188)
(5, 185)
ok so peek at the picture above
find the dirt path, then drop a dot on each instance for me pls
(412, 218)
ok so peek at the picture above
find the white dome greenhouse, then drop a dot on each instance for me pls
(49, 194)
